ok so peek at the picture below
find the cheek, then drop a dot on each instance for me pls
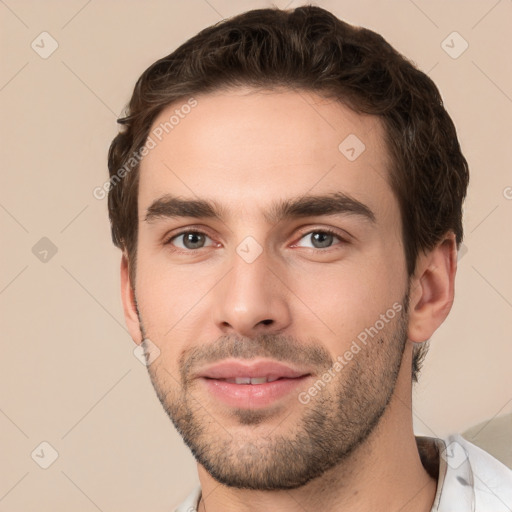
(347, 299)
(171, 300)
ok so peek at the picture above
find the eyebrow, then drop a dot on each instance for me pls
(337, 203)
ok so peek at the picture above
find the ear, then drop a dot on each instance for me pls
(128, 298)
(432, 289)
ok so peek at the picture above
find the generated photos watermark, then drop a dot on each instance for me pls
(342, 360)
(157, 134)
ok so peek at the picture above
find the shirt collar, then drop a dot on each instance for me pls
(448, 461)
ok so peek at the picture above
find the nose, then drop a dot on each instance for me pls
(251, 299)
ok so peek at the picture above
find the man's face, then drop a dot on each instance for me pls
(270, 293)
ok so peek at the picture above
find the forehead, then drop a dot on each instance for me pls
(245, 148)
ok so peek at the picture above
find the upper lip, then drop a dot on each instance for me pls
(234, 369)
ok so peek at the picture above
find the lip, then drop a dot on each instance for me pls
(251, 396)
(259, 368)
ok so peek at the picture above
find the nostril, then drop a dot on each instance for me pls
(266, 322)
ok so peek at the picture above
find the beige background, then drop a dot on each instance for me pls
(68, 373)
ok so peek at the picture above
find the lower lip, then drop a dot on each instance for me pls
(253, 396)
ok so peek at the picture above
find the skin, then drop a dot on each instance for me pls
(246, 149)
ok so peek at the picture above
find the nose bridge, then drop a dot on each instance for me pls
(250, 297)
(248, 276)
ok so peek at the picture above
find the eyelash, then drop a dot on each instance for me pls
(325, 231)
(302, 235)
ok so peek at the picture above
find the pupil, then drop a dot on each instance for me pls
(192, 240)
(323, 239)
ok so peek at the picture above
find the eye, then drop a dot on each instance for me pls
(320, 239)
(189, 240)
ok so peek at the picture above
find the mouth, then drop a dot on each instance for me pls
(252, 384)
(251, 380)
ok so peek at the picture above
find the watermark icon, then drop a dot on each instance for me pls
(44, 45)
(44, 455)
(342, 360)
(351, 147)
(249, 249)
(454, 45)
(156, 135)
(463, 249)
(44, 250)
(146, 352)
(507, 192)
(454, 455)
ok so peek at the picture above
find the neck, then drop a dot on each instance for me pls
(383, 473)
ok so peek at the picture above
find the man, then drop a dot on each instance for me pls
(287, 193)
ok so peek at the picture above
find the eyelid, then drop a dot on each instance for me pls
(344, 238)
(169, 237)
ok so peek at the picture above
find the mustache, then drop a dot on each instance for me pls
(286, 349)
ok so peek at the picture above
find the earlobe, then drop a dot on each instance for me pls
(129, 305)
(432, 289)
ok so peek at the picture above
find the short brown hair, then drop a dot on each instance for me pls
(309, 49)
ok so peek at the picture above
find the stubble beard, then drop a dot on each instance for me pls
(336, 421)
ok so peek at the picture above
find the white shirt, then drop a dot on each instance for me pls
(468, 478)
